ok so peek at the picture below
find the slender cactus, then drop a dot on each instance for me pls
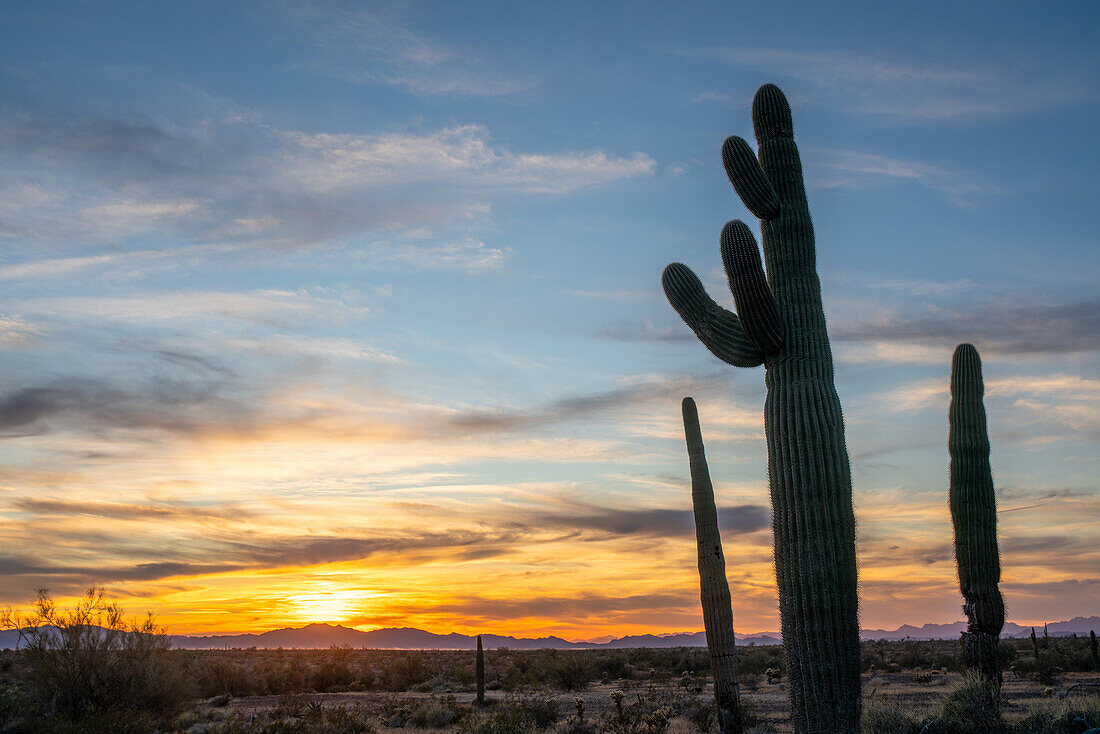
(1094, 651)
(480, 670)
(974, 515)
(714, 589)
(1034, 643)
(780, 323)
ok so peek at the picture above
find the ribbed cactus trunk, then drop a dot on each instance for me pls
(714, 589)
(974, 514)
(479, 667)
(780, 323)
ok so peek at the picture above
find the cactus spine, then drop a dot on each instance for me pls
(714, 589)
(480, 671)
(780, 323)
(974, 515)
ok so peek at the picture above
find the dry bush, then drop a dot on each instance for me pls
(973, 706)
(90, 669)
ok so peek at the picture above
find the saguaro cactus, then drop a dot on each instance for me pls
(780, 323)
(714, 589)
(479, 669)
(974, 514)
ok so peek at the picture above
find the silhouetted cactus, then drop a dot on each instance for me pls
(780, 323)
(714, 589)
(1095, 652)
(974, 514)
(1035, 643)
(480, 671)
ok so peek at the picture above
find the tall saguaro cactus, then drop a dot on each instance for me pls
(714, 589)
(780, 324)
(479, 672)
(974, 515)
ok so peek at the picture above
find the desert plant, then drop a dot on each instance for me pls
(974, 515)
(889, 716)
(1094, 651)
(713, 587)
(479, 666)
(780, 323)
(89, 665)
(973, 706)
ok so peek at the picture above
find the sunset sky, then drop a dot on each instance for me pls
(350, 312)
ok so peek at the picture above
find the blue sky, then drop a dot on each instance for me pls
(307, 307)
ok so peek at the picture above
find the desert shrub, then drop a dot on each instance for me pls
(658, 709)
(91, 669)
(331, 675)
(1007, 654)
(436, 713)
(315, 718)
(914, 655)
(1072, 715)
(973, 706)
(572, 672)
(500, 721)
(887, 716)
(220, 677)
(1044, 669)
(514, 715)
(942, 661)
(404, 672)
(756, 660)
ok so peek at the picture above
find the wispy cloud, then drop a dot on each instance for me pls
(854, 169)
(995, 327)
(644, 331)
(261, 307)
(15, 330)
(906, 90)
(235, 180)
(375, 44)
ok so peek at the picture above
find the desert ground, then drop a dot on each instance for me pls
(907, 686)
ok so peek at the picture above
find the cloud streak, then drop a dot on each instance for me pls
(235, 180)
(1002, 328)
(365, 45)
(913, 91)
(855, 169)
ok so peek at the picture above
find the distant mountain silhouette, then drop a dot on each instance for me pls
(407, 638)
(1077, 625)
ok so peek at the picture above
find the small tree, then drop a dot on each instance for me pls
(91, 660)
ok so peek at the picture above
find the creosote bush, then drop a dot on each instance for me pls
(90, 669)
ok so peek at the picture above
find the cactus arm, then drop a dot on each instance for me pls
(789, 237)
(714, 590)
(719, 329)
(754, 299)
(974, 514)
(748, 178)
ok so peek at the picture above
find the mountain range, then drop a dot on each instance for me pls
(407, 638)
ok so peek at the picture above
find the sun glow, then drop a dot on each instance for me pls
(328, 602)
